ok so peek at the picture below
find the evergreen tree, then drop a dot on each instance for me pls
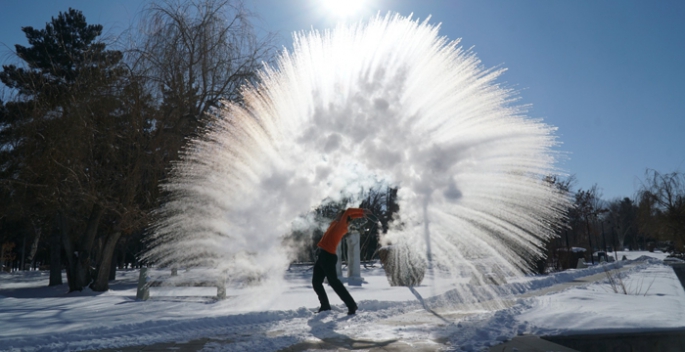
(61, 136)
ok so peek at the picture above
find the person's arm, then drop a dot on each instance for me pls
(354, 213)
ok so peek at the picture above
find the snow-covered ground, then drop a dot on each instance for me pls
(34, 317)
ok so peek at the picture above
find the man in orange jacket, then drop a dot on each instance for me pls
(324, 267)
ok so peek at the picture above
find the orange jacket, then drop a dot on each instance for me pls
(338, 229)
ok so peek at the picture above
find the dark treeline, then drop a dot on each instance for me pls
(653, 219)
(89, 128)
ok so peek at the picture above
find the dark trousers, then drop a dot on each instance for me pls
(324, 267)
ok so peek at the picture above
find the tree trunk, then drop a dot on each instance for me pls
(79, 269)
(101, 281)
(589, 238)
(74, 278)
(113, 268)
(34, 247)
(23, 253)
(122, 258)
(76, 273)
(55, 258)
(91, 232)
(96, 253)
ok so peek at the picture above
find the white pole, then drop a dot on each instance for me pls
(354, 277)
(143, 292)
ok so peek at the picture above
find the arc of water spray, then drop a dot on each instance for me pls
(429, 253)
(301, 137)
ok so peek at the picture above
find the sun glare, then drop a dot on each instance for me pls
(342, 8)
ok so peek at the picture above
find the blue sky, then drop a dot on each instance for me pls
(609, 74)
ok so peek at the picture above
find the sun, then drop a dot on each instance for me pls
(342, 8)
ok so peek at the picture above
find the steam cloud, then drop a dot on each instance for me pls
(385, 102)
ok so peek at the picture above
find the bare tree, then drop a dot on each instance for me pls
(621, 221)
(195, 54)
(589, 206)
(662, 206)
(557, 248)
